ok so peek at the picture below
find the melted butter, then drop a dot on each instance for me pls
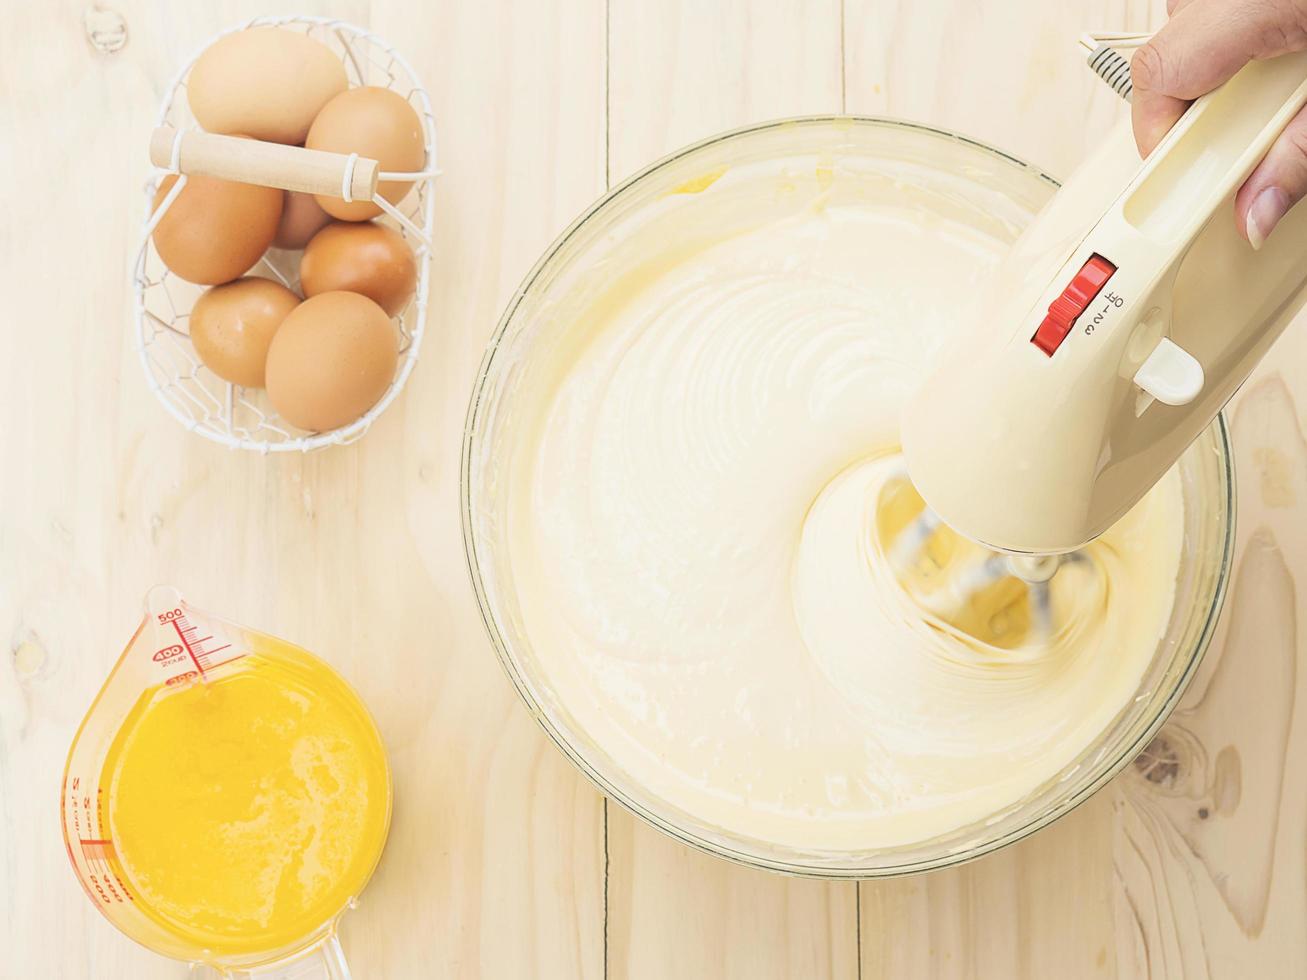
(248, 810)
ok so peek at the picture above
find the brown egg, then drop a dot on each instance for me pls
(232, 327)
(267, 83)
(332, 360)
(372, 122)
(301, 219)
(365, 258)
(216, 229)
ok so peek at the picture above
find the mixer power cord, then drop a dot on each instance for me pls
(1107, 61)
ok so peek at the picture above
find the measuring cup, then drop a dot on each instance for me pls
(175, 648)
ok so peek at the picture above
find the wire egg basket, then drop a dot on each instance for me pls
(242, 418)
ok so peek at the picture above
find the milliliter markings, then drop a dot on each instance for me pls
(1111, 301)
(192, 645)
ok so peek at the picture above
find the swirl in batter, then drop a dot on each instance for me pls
(699, 547)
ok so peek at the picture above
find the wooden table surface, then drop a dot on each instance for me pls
(503, 862)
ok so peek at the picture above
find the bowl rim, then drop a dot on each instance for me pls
(611, 791)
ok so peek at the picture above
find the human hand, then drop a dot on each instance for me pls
(1203, 44)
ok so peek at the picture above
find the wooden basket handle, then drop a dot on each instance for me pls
(291, 168)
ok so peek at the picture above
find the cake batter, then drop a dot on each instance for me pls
(698, 533)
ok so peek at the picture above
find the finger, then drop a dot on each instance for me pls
(1203, 45)
(1278, 183)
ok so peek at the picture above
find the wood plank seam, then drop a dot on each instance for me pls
(608, 183)
(843, 109)
(857, 891)
(844, 75)
(605, 888)
(608, 115)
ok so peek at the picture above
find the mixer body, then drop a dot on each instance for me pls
(1113, 333)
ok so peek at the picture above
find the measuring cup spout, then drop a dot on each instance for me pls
(184, 642)
(161, 597)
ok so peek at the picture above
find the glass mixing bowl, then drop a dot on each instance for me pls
(1005, 193)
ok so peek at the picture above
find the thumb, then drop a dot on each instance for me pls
(1278, 183)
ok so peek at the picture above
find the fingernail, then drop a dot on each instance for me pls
(1268, 207)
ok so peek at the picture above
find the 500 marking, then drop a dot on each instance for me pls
(1113, 300)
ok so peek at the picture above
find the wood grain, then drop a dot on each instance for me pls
(503, 862)
(674, 912)
(494, 865)
(1034, 910)
(1008, 73)
(680, 70)
(1210, 847)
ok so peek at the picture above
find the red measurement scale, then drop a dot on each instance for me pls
(201, 651)
(95, 855)
(173, 646)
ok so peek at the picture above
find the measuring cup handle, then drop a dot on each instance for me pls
(325, 961)
(291, 168)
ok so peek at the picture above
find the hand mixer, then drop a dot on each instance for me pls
(1112, 334)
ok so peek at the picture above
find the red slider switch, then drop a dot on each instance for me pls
(1079, 293)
